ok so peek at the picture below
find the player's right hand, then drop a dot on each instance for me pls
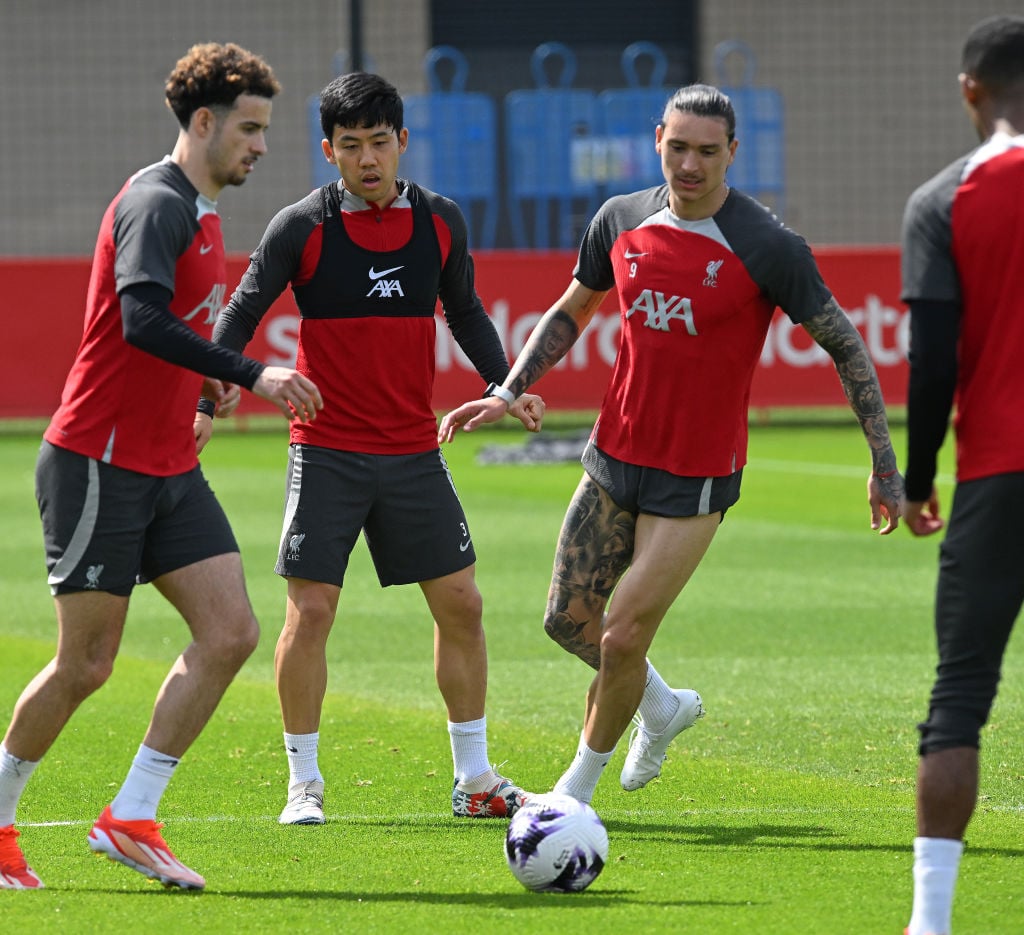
(293, 393)
(202, 428)
(529, 409)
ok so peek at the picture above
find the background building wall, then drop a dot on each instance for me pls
(871, 100)
(869, 90)
(82, 102)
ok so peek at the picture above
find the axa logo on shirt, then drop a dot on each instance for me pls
(385, 288)
(212, 304)
(661, 310)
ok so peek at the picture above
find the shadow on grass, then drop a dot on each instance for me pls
(592, 899)
(759, 834)
(763, 834)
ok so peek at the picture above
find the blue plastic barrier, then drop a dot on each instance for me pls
(760, 165)
(453, 144)
(549, 146)
(628, 119)
(320, 170)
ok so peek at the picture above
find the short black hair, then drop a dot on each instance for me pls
(994, 52)
(212, 74)
(703, 100)
(360, 99)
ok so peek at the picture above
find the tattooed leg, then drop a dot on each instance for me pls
(595, 547)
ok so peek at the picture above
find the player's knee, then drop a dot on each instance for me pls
(949, 727)
(313, 608)
(248, 637)
(551, 627)
(620, 647)
(470, 603)
(457, 606)
(559, 628)
(233, 644)
(961, 701)
(85, 676)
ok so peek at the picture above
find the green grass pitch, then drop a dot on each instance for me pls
(788, 809)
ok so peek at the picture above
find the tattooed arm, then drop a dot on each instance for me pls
(831, 329)
(548, 343)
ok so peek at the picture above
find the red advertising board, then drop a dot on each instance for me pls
(43, 301)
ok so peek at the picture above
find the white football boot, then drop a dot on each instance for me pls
(647, 750)
(305, 804)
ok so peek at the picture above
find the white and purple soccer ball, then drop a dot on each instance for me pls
(556, 844)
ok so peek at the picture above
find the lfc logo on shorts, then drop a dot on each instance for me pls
(294, 544)
(92, 577)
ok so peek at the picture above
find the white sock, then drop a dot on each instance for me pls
(14, 775)
(658, 704)
(936, 864)
(469, 749)
(303, 765)
(144, 785)
(581, 778)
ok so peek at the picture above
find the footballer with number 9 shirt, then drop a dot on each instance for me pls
(699, 268)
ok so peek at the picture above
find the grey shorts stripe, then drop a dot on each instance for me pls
(84, 528)
(705, 497)
(291, 503)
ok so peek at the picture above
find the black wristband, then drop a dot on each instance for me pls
(206, 406)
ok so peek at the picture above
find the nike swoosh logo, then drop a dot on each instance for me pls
(293, 749)
(464, 545)
(375, 275)
(205, 248)
(630, 256)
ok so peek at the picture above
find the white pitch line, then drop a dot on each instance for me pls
(623, 813)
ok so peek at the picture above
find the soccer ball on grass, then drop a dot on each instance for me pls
(556, 844)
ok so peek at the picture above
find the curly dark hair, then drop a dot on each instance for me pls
(212, 74)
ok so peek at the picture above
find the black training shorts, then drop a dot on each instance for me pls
(405, 505)
(660, 493)
(106, 528)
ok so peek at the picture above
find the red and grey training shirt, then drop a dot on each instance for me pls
(121, 404)
(697, 298)
(963, 248)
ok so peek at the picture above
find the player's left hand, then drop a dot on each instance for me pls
(885, 497)
(226, 396)
(924, 517)
(229, 401)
